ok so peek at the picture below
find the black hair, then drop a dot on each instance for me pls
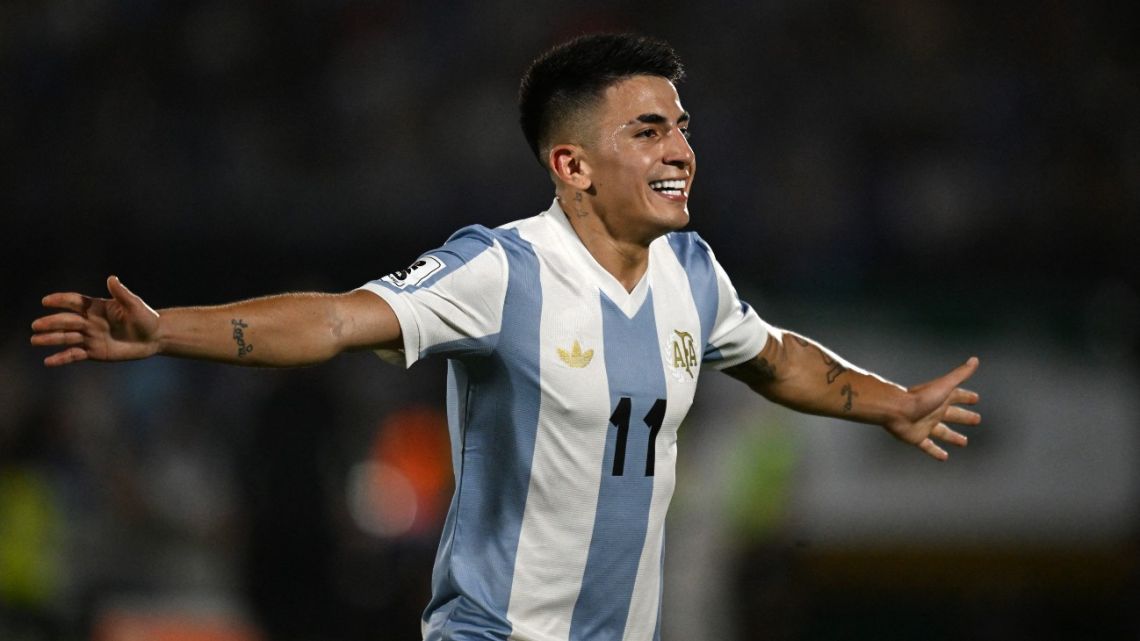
(573, 75)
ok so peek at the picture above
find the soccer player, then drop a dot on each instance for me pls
(575, 339)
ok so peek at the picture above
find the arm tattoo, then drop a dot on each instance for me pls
(836, 368)
(243, 348)
(835, 371)
(766, 370)
(850, 394)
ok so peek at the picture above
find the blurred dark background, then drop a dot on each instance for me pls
(909, 181)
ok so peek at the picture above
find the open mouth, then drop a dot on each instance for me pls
(668, 187)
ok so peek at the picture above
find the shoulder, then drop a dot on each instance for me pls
(470, 241)
(465, 250)
(474, 236)
(478, 242)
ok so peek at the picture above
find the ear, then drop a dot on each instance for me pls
(568, 163)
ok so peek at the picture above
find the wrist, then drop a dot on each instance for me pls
(883, 402)
(158, 342)
(900, 409)
(165, 340)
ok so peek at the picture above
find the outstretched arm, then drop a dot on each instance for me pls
(276, 331)
(803, 375)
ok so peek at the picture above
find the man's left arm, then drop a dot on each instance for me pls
(805, 376)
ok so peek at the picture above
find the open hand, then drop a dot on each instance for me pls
(935, 404)
(119, 328)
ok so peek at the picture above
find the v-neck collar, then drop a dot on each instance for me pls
(629, 302)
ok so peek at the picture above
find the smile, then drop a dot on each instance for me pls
(668, 187)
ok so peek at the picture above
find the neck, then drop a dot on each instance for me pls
(625, 259)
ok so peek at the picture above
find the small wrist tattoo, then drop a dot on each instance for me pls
(850, 394)
(243, 348)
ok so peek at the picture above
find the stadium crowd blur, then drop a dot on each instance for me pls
(970, 171)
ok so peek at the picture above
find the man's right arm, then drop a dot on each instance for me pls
(286, 330)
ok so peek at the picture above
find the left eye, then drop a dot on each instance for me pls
(686, 133)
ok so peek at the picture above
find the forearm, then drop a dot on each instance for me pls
(807, 377)
(276, 331)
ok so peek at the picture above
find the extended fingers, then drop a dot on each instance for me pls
(933, 450)
(64, 321)
(72, 355)
(70, 301)
(947, 435)
(63, 329)
(961, 416)
(52, 339)
(960, 395)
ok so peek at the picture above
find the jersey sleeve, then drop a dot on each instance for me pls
(450, 300)
(738, 333)
(731, 330)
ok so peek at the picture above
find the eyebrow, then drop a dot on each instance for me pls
(658, 119)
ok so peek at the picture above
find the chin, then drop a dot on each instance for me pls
(673, 221)
(677, 220)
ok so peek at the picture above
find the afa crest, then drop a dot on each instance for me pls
(681, 356)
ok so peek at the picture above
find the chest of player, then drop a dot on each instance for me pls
(601, 359)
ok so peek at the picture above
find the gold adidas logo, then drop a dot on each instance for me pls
(576, 357)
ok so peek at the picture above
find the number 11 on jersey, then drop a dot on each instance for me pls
(620, 419)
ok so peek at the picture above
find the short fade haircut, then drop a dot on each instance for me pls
(572, 76)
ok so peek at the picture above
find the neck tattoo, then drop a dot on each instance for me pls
(578, 205)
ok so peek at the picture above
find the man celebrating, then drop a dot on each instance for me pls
(575, 339)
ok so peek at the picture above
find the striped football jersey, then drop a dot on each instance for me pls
(565, 392)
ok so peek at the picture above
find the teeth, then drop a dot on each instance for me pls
(670, 186)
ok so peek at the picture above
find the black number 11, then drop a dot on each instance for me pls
(620, 420)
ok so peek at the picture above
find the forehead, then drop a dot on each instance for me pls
(631, 97)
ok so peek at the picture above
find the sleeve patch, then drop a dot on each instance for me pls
(415, 273)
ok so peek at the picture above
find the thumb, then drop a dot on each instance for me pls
(120, 293)
(964, 371)
(945, 385)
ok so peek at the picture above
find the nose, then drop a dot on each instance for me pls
(678, 151)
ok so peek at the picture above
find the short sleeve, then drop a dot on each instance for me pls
(731, 331)
(738, 333)
(450, 300)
